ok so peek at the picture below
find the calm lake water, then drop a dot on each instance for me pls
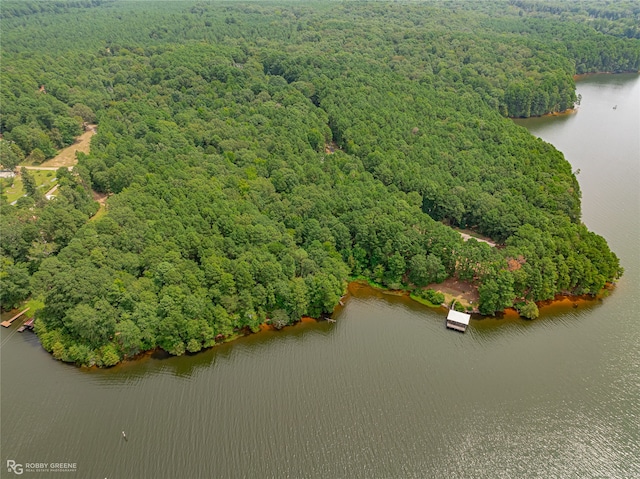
(386, 391)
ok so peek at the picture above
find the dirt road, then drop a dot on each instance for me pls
(467, 237)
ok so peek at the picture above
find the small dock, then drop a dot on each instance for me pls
(8, 322)
(458, 321)
(28, 324)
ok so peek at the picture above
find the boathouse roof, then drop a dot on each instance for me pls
(457, 317)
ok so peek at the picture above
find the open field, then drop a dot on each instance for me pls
(45, 179)
(44, 173)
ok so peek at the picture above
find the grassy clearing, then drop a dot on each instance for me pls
(45, 180)
(100, 213)
(14, 191)
(34, 304)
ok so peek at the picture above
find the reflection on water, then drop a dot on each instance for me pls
(159, 362)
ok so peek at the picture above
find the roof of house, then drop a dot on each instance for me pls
(462, 318)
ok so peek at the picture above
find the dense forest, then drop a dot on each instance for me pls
(257, 156)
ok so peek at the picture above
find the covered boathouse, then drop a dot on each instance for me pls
(458, 321)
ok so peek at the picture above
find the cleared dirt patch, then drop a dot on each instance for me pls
(67, 156)
(101, 198)
(463, 291)
(468, 234)
(331, 147)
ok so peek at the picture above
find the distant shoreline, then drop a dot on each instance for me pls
(571, 111)
(582, 76)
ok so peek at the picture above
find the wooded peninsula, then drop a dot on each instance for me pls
(257, 156)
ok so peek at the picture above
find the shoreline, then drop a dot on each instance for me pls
(571, 111)
(560, 302)
(568, 111)
(582, 76)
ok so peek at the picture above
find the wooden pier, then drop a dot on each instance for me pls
(8, 322)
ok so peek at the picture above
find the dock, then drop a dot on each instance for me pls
(8, 322)
(458, 321)
(28, 324)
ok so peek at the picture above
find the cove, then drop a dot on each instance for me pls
(386, 391)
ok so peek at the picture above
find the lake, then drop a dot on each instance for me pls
(386, 391)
